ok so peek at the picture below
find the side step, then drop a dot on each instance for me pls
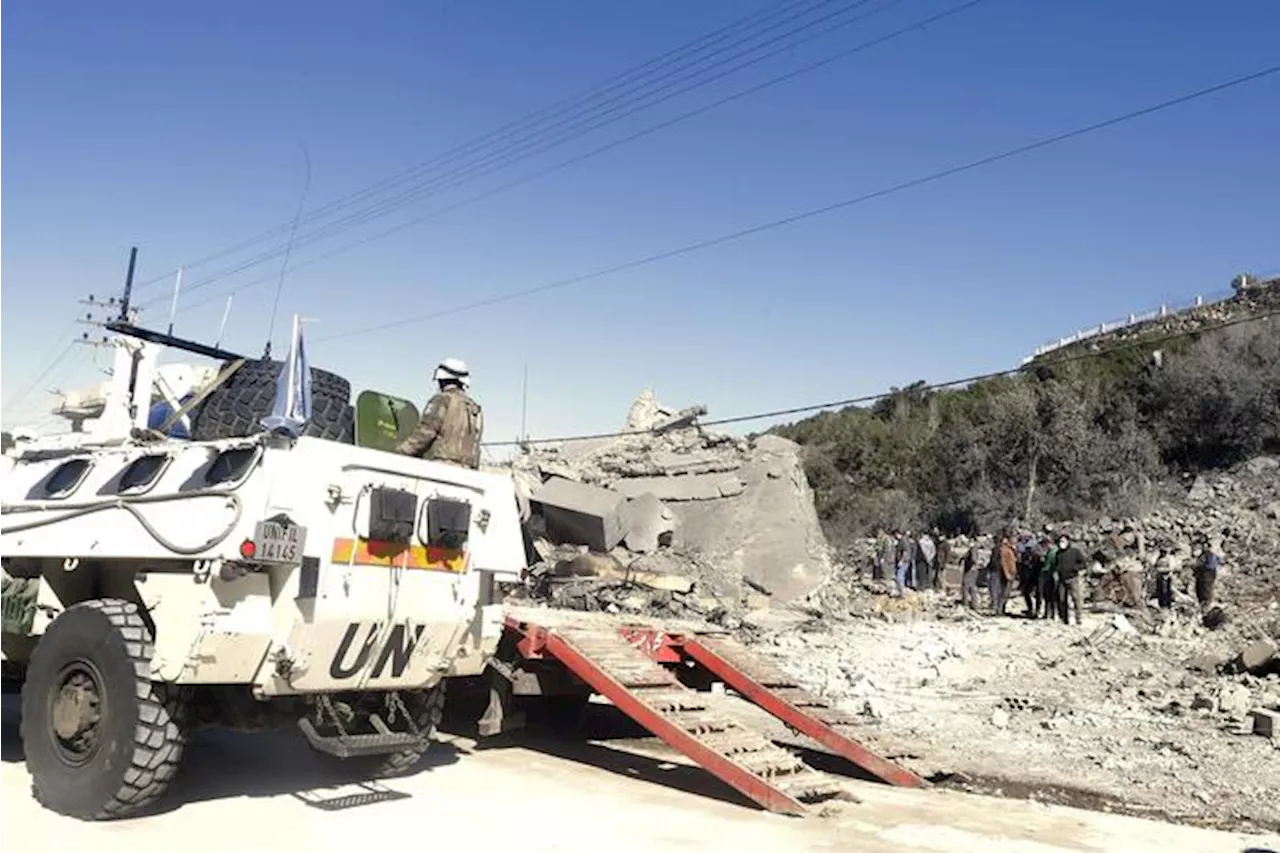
(683, 718)
(774, 691)
(352, 746)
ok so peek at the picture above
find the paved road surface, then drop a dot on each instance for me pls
(247, 793)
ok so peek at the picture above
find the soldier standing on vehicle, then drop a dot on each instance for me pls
(451, 424)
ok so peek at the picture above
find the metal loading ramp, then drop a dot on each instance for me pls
(774, 691)
(621, 661)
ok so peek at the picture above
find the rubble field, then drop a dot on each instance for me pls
(1096, 715)
(1139, 710)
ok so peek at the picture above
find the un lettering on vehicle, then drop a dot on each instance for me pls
(389, 650)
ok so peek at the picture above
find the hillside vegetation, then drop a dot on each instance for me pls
(1072, 440)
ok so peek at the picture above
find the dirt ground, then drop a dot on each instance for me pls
(1081, 715)
(265, 792)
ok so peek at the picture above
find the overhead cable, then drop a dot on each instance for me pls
(1038, 364)
(814, 212)
(578, 158)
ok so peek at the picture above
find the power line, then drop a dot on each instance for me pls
(936, 386)
(818, 211)
(504, 132)
(546, 139)
(742, 93)
(44, 370)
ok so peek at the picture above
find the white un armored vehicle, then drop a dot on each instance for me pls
(244, 551)
(266, 570)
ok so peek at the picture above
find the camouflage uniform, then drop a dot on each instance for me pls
(449, 430)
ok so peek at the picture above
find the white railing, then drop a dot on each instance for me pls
(1130, 320)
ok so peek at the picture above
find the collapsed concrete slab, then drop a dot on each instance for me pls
(769, 534)
(690, 487)
(581, 514)
(742, 509)
(650, 525)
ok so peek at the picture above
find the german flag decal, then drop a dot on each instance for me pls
(373, 552)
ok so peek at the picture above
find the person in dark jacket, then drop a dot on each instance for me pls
(969, 567)
(1048, 592)
(1029, 563)
(940, 559)
(1071, 565)
(1206, 572)
(904, 557)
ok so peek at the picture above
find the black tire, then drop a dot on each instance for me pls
(122, 761)
(427, 708)
(235, 407)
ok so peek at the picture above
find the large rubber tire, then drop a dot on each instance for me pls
(128, 757)
(235, 407)
(427, 707)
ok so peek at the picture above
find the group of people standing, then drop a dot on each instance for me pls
(916, 561)
(1047, 569)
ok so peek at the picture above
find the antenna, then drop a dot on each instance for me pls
(126, 323)
(288, 250)
(128, 285)
(173, 307)
(222, 327)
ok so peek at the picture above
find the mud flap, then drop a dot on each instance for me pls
(500, 716)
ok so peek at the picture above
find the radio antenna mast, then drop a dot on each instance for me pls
(288, 249)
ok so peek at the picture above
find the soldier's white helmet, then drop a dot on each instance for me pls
(454, 369)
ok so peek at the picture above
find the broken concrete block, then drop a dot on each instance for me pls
(682, 418)
(649, 524)
(581, 514)
(1266, 723)
(1257, 656)
(1234, 701)
(589, 566)
(1205, 662)
(543, 548)
(553, 468)
(691, 487)
(698, 462)
(731, 487)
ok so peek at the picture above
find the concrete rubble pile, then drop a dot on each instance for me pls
(670, 518)
(1141, 709)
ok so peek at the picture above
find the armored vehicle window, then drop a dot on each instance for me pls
(66, 478)
(143, 472)
(231, 466)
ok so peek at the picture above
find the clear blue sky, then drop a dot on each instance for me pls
(180, 127)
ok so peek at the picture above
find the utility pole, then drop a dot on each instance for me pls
(107, 306)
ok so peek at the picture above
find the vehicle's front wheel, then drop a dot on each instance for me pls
(101, 739)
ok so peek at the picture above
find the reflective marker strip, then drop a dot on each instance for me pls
(366, 552)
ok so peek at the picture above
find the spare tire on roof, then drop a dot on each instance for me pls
(237, 406)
